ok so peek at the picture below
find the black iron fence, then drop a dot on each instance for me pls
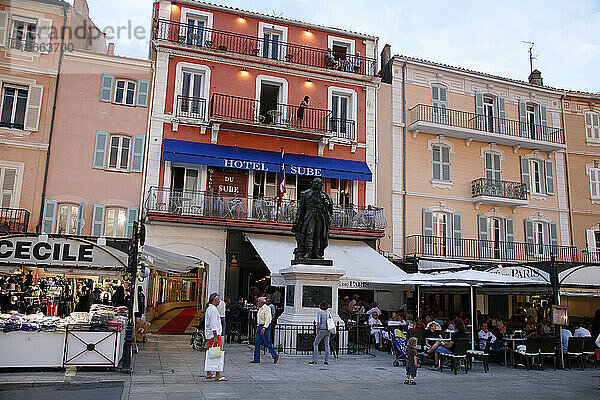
(484, 123)
(475, 249)
(13, 220)
(261, 47)
(191, 107)
(315, 120)
(494, 188)
(247, 208)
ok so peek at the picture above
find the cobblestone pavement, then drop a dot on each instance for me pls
(168, 368)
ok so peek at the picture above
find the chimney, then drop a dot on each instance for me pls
(111, 49)
(386, 54)
(535, 78)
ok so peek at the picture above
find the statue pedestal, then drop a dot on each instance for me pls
(306, 285)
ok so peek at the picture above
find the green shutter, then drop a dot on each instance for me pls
(549, 169)
(427, 232)
(553, 228)
(483, 236)
(544, 122)
(100, 148)
(457, 234)
(80, 219)
(143, 87)
(106, 87)
(98, 220)
(529, 237)
(137, 153)
(502, 115)
(510, 239)
(525, 173)
(479, 111)
(49, 216)
(523, 118)
(132, 214)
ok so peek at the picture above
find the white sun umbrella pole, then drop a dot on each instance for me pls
(472, 320)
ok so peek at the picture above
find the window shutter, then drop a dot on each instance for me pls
(502, 115)
(137, 153)
(588, 125)
(529, 237)
(594, 183)
(100, 148)
(523, 118)
(106, 87)
(457, 234)
(446, 163)
(590, 236)
(525, 173)
(98, 220)
(34, 106)
(49, 216)
(3, 27)
(436, 152)
(510, 238)
(80, 220)
(544, 122)
(549, 177)
(483, 236)
(9, 179)
(542, 176)
(132, 214)
(479, 111)
(553, 228)
(427, 232)
(143, 87)
(44, 30)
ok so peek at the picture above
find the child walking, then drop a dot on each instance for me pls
(411, 361)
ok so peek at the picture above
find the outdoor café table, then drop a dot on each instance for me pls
(512, 341)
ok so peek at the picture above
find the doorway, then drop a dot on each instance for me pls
(269, 112)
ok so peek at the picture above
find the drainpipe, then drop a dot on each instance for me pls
(60, 57)
(403, 159)
(567, 176)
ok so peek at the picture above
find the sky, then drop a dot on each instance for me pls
(485, 36)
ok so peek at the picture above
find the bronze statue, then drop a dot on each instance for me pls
(313, 220)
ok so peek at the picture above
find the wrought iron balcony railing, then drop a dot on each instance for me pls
(483, 123)
(191, 107)
(503, 189)
(246, 208)
(314, 120)
(475, 249)
(13, 220)
(260, 47)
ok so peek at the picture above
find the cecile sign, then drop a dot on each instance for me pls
(58, 252)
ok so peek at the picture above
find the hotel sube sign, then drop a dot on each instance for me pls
(49, 251)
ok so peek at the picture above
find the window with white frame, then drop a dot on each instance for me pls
(118, 157)
(8, 182)
(116, 222)
(272, 39)
(125, 92)
(192, 104)
(539, 235)
(592, 126)
(341, 121)
(488, 112)
(537, 176)
(594, 182)
(68, 216)
(439, 101)
(531, 120)
(14, 105)
(23, 34)
(441, 162)
(195, 30)
(341, 192)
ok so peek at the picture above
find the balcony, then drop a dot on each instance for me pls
(315, 121)
(498, 193)
(448, 248)
(13, 220)
(261, 213)
(470, 126)
(191, 109)
(213, 39)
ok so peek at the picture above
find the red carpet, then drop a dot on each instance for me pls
(178, 324)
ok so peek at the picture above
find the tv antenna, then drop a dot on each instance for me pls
(276, 16)
(531, 56)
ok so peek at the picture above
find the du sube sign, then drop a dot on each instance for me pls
(59, 252)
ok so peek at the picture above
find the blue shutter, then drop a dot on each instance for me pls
(549, 169)
(523, 129)
(137, 153)
(266, 45)
(143, 87)
(479, 111)
(525, 173)
(49, 216)
(483, 236)
(427, 232)
(529, 238)
(98, 220)
(106, 87)
(100, 148)
(553, 228)
(275, 48)
(132, 214)
(457, 234)
(80, 218)
(510, 239)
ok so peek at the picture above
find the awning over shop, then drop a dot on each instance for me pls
(361, 262)
(581, 276)
(262, 160)
(167, 261)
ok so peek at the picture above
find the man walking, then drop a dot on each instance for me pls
(263, 320)
(213, 331)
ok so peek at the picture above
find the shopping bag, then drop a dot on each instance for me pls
(214, 351)
(214, 364)
(330, 325)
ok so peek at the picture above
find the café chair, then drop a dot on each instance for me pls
(482, 355)
(547, 349)
(457, 357)
(532, 351)
(588, 351)
(575, 349)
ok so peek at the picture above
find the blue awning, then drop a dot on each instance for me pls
(262, 160)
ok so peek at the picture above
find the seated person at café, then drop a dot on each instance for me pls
(373, 322)
(433, 328)
(581, 331)
(344, 310)
(566, 335)
(445, 346)
(488, 341)
(530, 329)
